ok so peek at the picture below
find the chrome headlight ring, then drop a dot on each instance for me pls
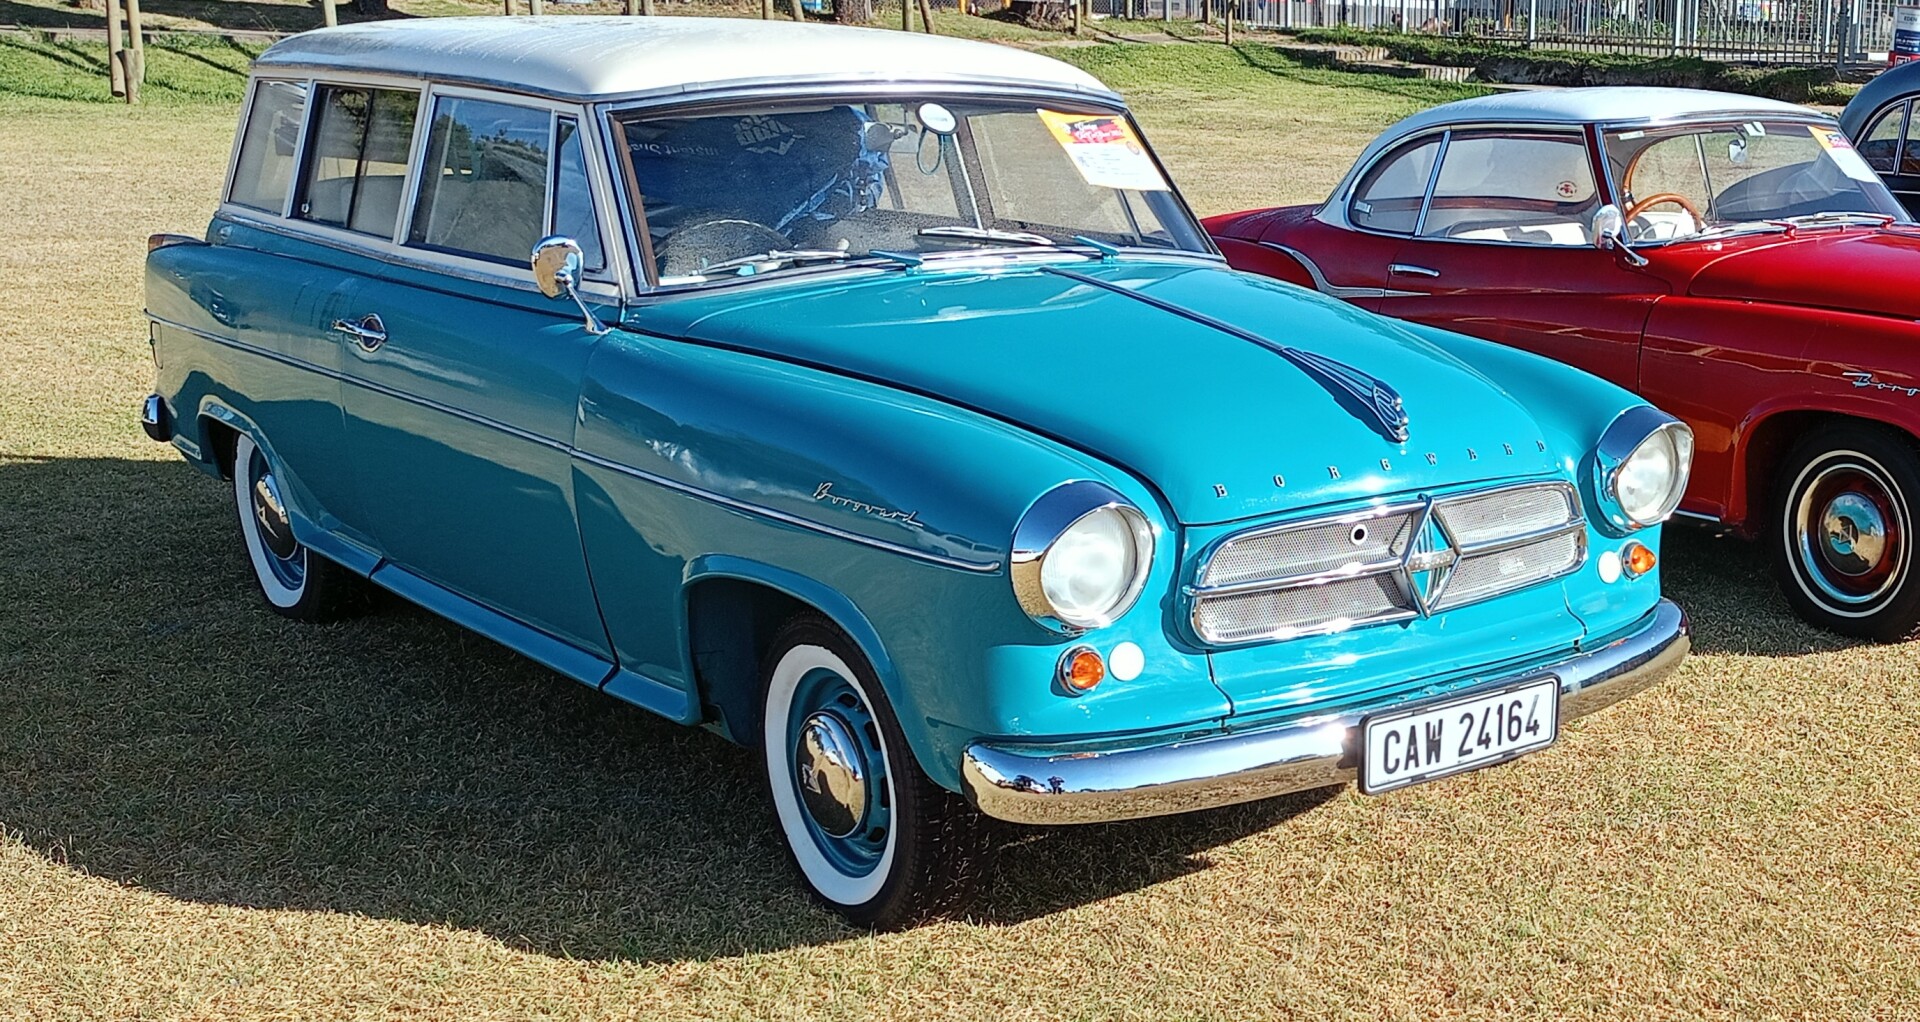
(1638, 440)
(1095, 520)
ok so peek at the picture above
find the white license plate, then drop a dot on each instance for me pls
(1428, 742)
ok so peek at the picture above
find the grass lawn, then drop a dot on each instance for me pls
(207, 812)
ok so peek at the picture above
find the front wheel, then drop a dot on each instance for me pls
(873, 837)
(1843, 539)
(295, 581)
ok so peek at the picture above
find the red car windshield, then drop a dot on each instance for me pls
(1685, 180)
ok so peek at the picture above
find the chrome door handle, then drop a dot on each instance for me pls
(1410, 270)
(369, 333)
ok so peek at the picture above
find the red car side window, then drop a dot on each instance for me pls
(1388, 198)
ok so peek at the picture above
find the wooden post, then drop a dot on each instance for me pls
(1227, 9)
(906, 15)
(506, 7)
(116, 69)
(137, 46)
(536, 7)
(330, 12)
(799, 14)
(926, 15)
(1075, 16)
(646, 7)
(766, 10)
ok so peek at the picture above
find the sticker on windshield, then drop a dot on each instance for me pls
(1105, 150)
(1841, 152)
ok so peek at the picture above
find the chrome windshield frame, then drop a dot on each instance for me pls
(1732, 118)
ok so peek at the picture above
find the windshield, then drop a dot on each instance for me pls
(1719, 178)
(781, 186)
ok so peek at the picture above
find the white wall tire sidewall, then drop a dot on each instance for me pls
(276, 591)
(1799, 569)
(832, 884)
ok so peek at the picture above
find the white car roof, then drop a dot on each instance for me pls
(1599, 105)
(586, 57)
(1609, 104)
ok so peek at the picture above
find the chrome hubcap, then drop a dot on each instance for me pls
(1848, 528)
(1854, 534)
(276, 532)
(832, 774)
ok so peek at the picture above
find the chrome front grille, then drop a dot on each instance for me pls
(1389, 563)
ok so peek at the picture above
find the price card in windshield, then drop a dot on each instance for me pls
(1105, 150)
(1842, 153)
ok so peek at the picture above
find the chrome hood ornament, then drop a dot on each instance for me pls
(1366, 397)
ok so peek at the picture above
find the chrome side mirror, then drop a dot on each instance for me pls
(556, 265)
(1610, 234)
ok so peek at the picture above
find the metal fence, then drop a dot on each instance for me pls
(1770, 31)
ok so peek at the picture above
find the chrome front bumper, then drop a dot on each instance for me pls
(1026, 784)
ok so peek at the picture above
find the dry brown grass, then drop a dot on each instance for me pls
(210, 813)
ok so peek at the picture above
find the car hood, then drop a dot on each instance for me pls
(1114, 363)
(1869, 271)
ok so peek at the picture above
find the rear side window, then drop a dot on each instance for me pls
(264, 170)
(1389, 197)
(484, 189)
(1523, 189)
(356, 170)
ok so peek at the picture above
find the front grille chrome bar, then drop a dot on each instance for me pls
(1410, 559)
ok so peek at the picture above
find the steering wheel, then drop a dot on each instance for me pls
(1633, 211)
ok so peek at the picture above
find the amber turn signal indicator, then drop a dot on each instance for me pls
(1638, 560)
(1081, 669)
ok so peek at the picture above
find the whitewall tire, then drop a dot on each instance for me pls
(872, 836)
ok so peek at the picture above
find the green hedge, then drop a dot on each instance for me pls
(1516, 63)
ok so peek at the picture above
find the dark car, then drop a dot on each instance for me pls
(1880, 121)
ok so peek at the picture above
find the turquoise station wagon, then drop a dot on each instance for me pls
(876, 401)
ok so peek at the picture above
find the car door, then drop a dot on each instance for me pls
(269, 298)
(463, 380)
(1349, 260)
(1504, 251)
(1890, 147)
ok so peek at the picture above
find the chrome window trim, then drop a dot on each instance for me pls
(1433, 182)
(240, 135)
(472, 270)
(417, 170)
(1571, 129)
(1428, 510)
(409, 180)
(612, 283)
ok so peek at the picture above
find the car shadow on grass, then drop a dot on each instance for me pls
(1724, 584)
(159, 727)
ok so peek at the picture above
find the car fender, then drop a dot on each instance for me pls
(890, 512)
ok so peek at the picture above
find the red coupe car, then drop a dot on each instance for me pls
(1732, 259)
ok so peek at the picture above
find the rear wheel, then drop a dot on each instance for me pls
(1843, 540)
(873, 837)
(295, 581)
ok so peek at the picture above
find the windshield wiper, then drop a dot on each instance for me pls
(779, 255)
(987, 234)
(1790, 224)
(1833, 219)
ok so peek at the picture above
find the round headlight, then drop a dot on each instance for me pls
(1080, 556)
(1643, 461)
